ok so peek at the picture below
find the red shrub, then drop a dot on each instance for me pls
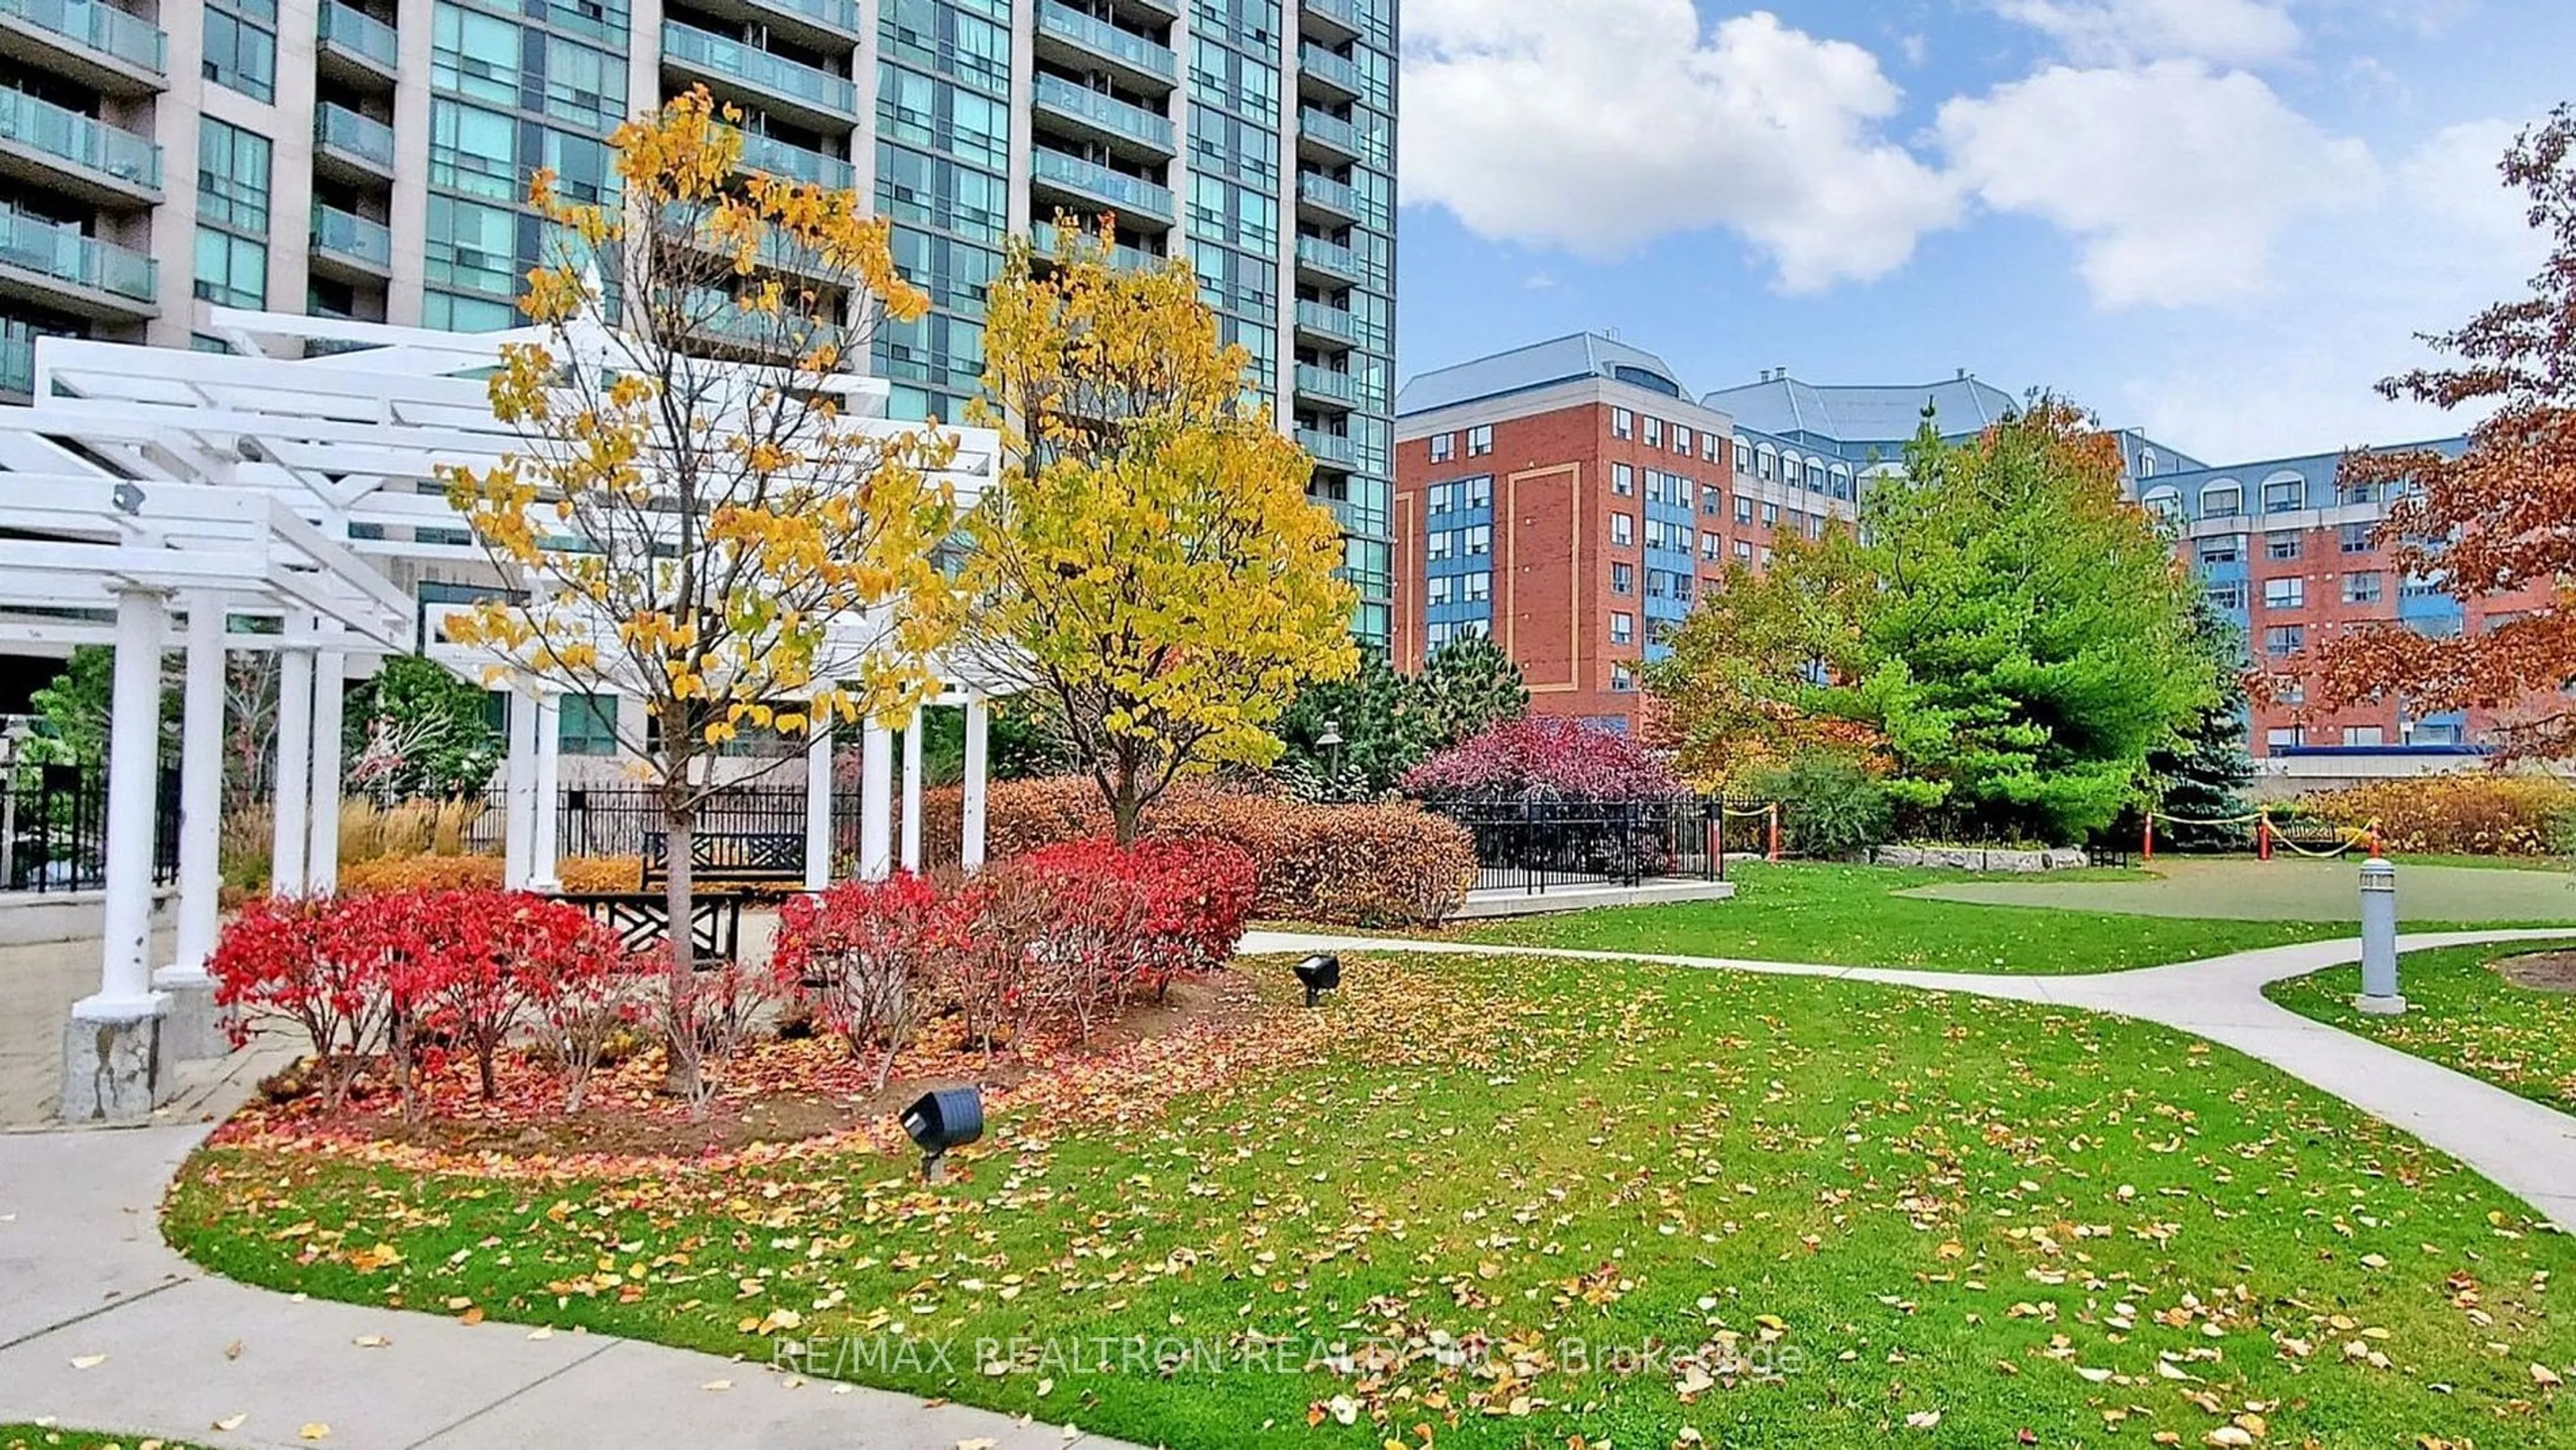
(866, 955)
(311, 962)
(1544, 758)
(1200, 891)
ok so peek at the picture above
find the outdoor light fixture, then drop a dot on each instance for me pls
(1320, 974)
(1332, 735)
(948, 1118)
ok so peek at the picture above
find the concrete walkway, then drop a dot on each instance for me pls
(83, 1273)
(2527, 1149)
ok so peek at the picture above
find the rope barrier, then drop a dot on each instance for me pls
(2352, 839)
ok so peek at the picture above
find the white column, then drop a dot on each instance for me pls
(519, 794)
(322, 857)
(294, 773)
(133, 773)
(978, 732)
(818, 800)
(876, 803)
(543, 817)
(201, 793)
(912, 793)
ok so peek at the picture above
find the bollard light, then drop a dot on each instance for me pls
(2379, 995)
(1321, 973)
(948, 1118)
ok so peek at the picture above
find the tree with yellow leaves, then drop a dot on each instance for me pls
(689, 517)
(1149, 561)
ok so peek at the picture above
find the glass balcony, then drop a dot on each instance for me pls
(795, 163)
(1331, 449)
(17, 356)
(755, 67)
(84, 141)
(1330, 131)
(1340, 12)
(361, 35)
(1106, 112)
(1324, 383)
(1332, 70)
(1104, 39)
(1326, 320)
(1128, 194)
(100, 27)
(1331, 258)
(1333, 196)
(1123, 258)
(364, 137)
(838, 14)
(62, 253)
(352, 236)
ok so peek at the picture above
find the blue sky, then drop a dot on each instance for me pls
(2219, 220)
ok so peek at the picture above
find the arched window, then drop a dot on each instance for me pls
(2166, 501)
(2222, 499)
(1842, 481)
(2285, 492)
(2146, 463)
(1766, 461)
(1789, 469)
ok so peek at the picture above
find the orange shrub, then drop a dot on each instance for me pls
(2478, 813)
(450, 873)
(1374, 865)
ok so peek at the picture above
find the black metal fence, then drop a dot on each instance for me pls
(1539, 846)
(53, 829)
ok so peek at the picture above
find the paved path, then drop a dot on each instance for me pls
(2286, 890)
(2528, 1149)
(83, 1272)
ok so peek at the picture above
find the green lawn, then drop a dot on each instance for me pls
(45, 1437)
(1952, 1221)
(2462, 1014)
(1850, 916)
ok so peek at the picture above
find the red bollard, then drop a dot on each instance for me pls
(2147, 847)
(1775, 831)
(2262, 838)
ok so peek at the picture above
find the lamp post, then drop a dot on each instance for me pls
(1331, 740)
(2379, 995)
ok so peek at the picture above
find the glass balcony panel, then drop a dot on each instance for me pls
(101, 27)
(1325, 383)
(366, 137)
(353, 236)
(82, 140)
(1333, 70)
(795, 163)
(1127, 193)
(1108, 112)
(754, 66)
(61, 252)
(1329, 320)
(1329, 448)
(363, 35)
(1325, 192)
(1102, 38)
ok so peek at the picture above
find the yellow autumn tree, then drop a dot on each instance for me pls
(692, 516)
(1149, 561)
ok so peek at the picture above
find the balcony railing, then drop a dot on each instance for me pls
(1332, 131)
(101, 27)
(1329, 257)
(1127, 193)
(1333, 70)
(355, 236)
(362, 35)
(1329, 448)
(1328, 320)
(85, 141)
(1325, 383)
(775, 74)
(61, 252)
(1122, 258)
(795, 163)
(838, 14)
(364, 137)
(1341, 11)
(1105, 111)
(1102, 38)
(1324, 191)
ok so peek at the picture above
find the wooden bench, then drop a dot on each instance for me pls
(730, 858)
(642, 920)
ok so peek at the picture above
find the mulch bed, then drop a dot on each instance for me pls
(2541, 971)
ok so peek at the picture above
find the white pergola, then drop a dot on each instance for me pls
(268, 497)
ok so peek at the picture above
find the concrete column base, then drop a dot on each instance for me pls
(2380, 1006)
(112, 1061)
(194, 1029)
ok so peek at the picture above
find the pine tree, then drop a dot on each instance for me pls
(2203, 775)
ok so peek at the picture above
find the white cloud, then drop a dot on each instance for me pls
(1602, 125)
(2293, 372)
(2174, 179)
(2120, 32)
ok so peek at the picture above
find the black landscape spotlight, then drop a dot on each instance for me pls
(948, 1118)
(1322, 973)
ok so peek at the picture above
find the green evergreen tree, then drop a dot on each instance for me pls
(2204, 774)
(1467, 687)
(1382, 727)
